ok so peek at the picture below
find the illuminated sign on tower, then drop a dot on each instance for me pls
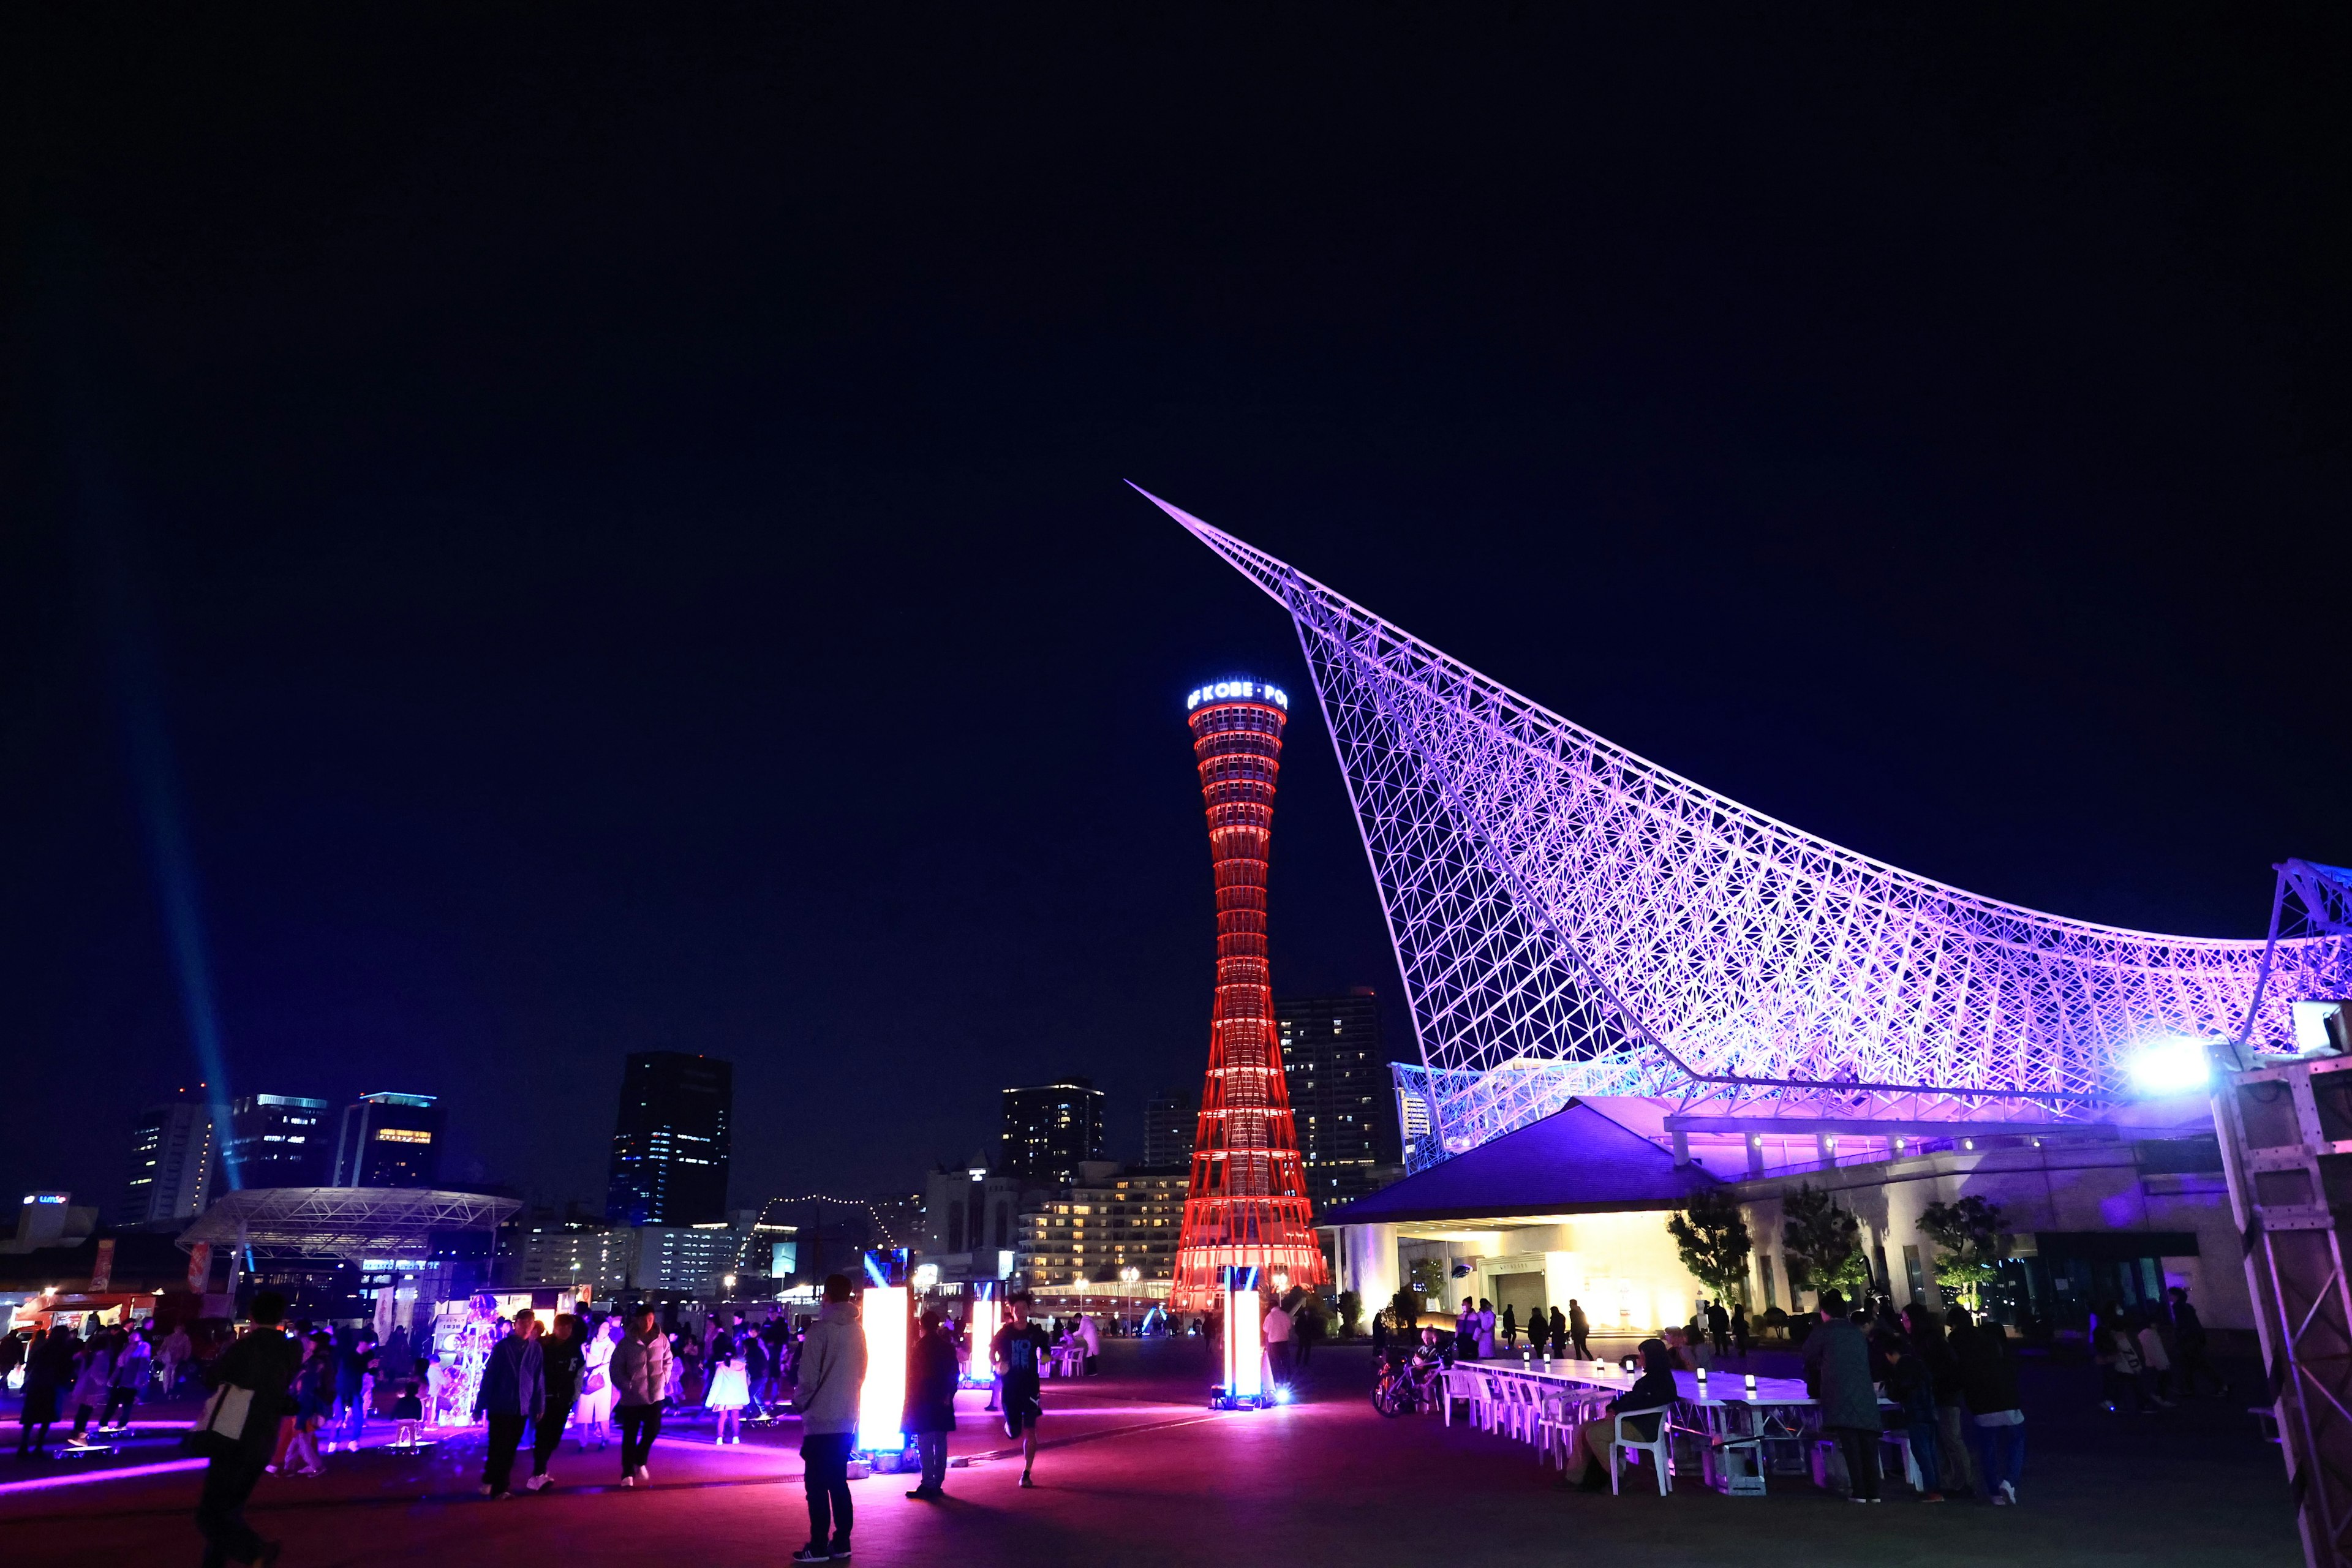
(1247, 1205)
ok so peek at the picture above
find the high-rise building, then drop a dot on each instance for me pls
(1050, 1129)
(1169, 1119)
(673, 1143)
(174, 1163)
(1341, 1098)
(390, 1140)
(279, 1141)
(1246, 1203)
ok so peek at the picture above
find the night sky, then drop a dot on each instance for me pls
(605, 527)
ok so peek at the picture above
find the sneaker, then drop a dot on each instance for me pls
(628, 1480)
(2008, 1493)
(1026, 1481)
(482, 1491)
(814, 1554)
(644, 1477)
(502, 1497)
(536, 1483)
(840, 1552)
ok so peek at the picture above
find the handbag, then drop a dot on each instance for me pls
(596, 1384)
(219, 1432)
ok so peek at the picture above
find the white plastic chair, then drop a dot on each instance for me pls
(1556, 1425)
(1516, 1413)
(1896, 1439)
(1463, 1385)
(1623, 1442)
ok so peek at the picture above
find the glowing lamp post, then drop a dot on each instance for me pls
(883, 1404)
(1244, 1385)
(987, 1317)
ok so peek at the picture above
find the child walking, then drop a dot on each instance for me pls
(730, 1389)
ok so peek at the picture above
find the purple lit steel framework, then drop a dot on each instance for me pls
(1570, 918)
(1247, 1206)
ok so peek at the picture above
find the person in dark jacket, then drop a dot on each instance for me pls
(1838, 1374)
(513, 1391)
(42, 1376)
(1913, 1387)
(1988, 1385)
(1652, 1396)
(1719, 1328)
(1739, 1332)
(931, 1403)
(1578, 1326)
(2188, 1345)
(561, 1356)
(1954, 1452)
(263, 1362)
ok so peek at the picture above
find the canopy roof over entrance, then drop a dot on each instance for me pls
(1575, 1160)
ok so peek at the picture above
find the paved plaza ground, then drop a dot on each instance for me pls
(1139, 1473)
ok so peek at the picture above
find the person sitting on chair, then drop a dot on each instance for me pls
(1588, 1460)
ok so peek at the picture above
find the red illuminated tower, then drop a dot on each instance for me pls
(1248, 1200)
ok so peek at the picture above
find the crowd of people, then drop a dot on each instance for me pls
(277, 1385)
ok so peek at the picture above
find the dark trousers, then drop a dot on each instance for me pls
(497, 1463)
(1860, 1447)
(220, 1511)
(931, 1448)
(117, 1403)
(1304, 1349)
(640, 1425)
(1279, 1355)
(2191, 1361)
(824, 1461)
(545, 1434)
(1583, 1351)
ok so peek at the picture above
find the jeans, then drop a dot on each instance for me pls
(220, 1511)
(497, 1463)
(825, 1458)
(2001, 1455)
(640, 1425)
(547, 1434)
(931, 1448)
(354, 1416)
(1927, 1453)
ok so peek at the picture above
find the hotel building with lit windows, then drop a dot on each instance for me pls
(672, 1143)
(279, 1141)
(1340, 1098)
(1081, 1239)
(390, 1140)
(1052, 1128)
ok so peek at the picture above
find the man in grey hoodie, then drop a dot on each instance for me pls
(832, 1376)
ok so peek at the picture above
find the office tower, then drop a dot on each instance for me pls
(1050, 1129)
(1169, 1119)
(1247, 1200)
(279, 1141)
(1341, 1099)
(672, 1145)
(172, 1163)
(390, 1140)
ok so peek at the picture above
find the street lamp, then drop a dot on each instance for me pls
(1281, 1280)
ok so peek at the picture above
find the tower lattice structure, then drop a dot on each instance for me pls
(1247, 1204)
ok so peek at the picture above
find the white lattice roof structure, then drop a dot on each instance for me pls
(340, 1222)
(1571, 919)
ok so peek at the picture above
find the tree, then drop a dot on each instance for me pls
(1352, 1307)
(1713, 1237)
(1404, 1309)
(1822, 1243)
(1428, 1280)
(1969, 1246)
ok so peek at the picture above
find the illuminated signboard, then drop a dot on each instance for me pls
(1239, 691)
(402, 1135)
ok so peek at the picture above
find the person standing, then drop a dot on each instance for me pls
(1090, 1341)
(513, 1391)
(1913, 1388)
(1955, 1455)
(832, 1376)
(93, 1378)
(1306, 1329)
(1989, 1384)
(561, 1358)
(1838, 1374)
(1019, 1348)
(2116, 1351)
(1579, 1326)
(173, 1355)
(262, 1362)
(132, 1366)
(1739, 1329)
(931, 1403)
(1465, 1330)
(1380, 1335)
(1719, 1328)
(1275, 1327)
(2188, 1345)
(355, 1371)
(640, 1374)
(314, 1402)
(46, 1368)
(730, 1390)
(596, 1393)
(1485, 1330)
(1510, 1328)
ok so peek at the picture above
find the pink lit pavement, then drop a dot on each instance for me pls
(1139, 1472)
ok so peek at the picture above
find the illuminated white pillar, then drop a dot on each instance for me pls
(987, 1317)
(1245, 1360)
(883, 1404)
